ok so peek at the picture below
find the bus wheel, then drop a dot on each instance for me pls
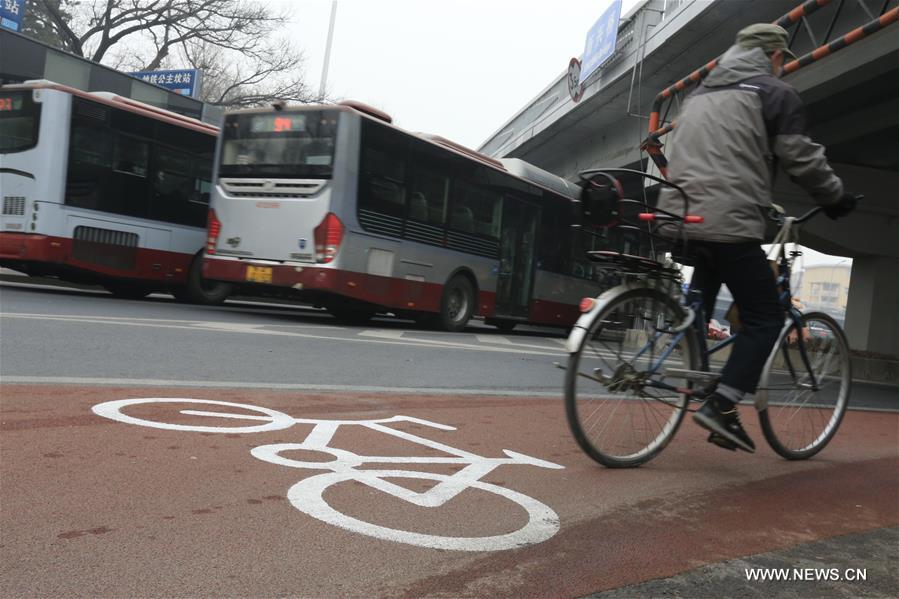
(198, 290)
(457, 304)
(126, 290)
(351, 316)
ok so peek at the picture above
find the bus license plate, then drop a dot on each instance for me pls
(259, 274)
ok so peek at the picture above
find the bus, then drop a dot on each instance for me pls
(353, 214)
(101, 189)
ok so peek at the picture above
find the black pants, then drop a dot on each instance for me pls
(744, 268)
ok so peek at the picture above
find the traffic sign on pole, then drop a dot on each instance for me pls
(601, 40)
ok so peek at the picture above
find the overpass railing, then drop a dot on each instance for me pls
(797, 19)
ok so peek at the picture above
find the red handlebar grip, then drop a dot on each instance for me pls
(650, 216)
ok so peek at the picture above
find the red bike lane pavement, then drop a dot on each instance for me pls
(91, 506)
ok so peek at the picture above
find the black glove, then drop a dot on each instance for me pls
(841, 207)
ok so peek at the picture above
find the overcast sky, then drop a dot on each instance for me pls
(456, 68)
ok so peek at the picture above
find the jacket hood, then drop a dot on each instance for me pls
(737, 64)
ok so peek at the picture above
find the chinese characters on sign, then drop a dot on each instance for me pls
(601, 40)
(184, 82)
(11, 13)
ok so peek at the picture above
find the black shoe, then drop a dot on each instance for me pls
(720, 417)
(721, 441)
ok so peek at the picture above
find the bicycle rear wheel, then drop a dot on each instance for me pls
(797, 418)
(615, 414)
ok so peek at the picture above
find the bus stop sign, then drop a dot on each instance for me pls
(11, 13)
(185, 81)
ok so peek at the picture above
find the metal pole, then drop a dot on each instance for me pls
(321, 91)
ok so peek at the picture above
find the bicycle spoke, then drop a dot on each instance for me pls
(625, 421)
(801, 418)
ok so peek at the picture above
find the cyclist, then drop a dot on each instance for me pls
(730, 135)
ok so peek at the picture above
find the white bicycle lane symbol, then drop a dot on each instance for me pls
(307, 495)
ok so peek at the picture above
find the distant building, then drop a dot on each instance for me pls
(825, 287)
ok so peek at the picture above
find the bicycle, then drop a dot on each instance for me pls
(642, 346)
(308, 495)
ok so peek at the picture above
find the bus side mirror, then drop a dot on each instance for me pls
(600, 200)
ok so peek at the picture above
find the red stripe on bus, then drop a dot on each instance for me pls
(390, 292)
(155, 266)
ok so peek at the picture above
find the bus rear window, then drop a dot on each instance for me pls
(285, 144)
(20, 119)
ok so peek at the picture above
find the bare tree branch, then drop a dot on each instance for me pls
(70, 39)
(233, 42)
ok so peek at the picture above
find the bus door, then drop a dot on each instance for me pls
(518, 242)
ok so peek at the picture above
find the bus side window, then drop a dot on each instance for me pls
(475, 210)
(463, 219)
(432, 188)
(172, 186)
(382, 189)
(90, 162)
(131, 156)
(418, 206)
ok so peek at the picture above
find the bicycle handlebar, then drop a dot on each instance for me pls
(779, 218)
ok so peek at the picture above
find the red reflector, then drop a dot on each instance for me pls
(587, 304)
(647, 216)
(692, 218)
(328, 236)
(213, 228)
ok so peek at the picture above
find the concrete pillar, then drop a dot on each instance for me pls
(872, 315)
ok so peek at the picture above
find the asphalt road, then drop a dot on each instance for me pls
(78, 333)
(295, 457)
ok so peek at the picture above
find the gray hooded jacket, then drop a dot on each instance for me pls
(723, 148)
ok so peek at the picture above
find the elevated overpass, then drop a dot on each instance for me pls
(852, 99)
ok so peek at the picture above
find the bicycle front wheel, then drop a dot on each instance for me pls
(802, 402)
(617, 414)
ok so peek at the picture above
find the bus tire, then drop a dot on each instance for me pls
(457, 303)
(198, 290)
(125, 290)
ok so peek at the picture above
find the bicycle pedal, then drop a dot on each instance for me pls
(720, 441)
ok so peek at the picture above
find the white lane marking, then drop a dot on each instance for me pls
(382, 333)
(307, 495)
(124, 382)
(212, 326)
(493, 339)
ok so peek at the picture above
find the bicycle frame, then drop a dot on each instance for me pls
(696, 319)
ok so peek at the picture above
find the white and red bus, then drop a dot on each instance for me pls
(102, 189)
(356, 215)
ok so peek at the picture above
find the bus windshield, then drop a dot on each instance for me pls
(19, 121)
(286, 144)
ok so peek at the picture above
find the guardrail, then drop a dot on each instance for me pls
(796, 17)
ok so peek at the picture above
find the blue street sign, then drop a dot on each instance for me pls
(11, 13)
(185, 82)
(601, 40)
